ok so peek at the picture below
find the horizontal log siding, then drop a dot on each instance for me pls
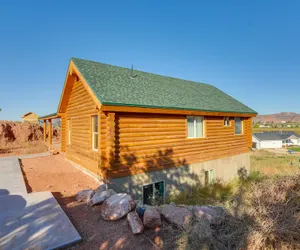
(148, 142)
(80, 109)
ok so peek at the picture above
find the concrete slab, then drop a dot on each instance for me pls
(34, 221)
(27, 156)
(11, 177)
(34, 155)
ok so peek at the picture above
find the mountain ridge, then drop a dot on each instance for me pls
(278, 117)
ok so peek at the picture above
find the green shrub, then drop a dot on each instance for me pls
(211, 194)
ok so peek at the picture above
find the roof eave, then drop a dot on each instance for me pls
(49, 116)
(108, 106)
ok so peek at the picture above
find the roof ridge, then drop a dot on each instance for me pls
(145, 72)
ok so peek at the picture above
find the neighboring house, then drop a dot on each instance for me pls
(148, 134)
(30, 117)
(275, 139)
(266, 140)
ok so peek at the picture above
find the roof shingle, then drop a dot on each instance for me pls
(119, 86)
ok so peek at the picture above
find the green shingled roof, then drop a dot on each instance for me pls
(48, 115)
(119, 86)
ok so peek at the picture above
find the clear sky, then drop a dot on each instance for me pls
(249, 49)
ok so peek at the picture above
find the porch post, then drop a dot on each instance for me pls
(45, 130)
(50, 131)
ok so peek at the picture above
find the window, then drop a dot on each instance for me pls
(95, 132)
(154, 193)
(195, 126)
(209, 177)
(238, 126)
(69, 131)
(226, 121)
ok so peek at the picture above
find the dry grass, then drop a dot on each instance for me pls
(262, 214)
(270, 163)
(274, 208)
(263, 210)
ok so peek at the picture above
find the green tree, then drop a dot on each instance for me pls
(256, 125)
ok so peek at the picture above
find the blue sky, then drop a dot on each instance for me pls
(249, 49)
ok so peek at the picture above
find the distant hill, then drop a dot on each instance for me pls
(283, 116)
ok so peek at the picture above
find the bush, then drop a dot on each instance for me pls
(210, 194)
(274, 207)
(262, 213)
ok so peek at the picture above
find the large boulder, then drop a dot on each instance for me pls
(211, 214)
(85, 195)
(179, 216)
(135, 223)
(152, 218)
(117, 206)
(100, 197)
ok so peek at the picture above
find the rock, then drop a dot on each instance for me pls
(211, 214)
(101, 188)
(117, 206)
(190, 208)
(100, 197)
(152, 218)
(139, 203)
(55, 152)
(135, 223)
(179, 216)
(84, 195)
(140, 208)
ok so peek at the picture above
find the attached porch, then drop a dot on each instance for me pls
(48, 129)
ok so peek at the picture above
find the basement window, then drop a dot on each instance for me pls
(195, 126)
(154, 193)
(95, 132)
(210, 177)
(238, 126)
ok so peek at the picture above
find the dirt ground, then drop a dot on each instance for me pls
(55, 174)
(17, 138)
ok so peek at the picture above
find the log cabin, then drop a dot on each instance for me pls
(150, 135)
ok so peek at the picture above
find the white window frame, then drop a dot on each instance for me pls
(209, 176)
(153, 187)
(94, 133)
(226, 121)
(242, 126)
(195, 127)
(69, 131)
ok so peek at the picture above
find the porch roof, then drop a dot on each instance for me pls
(49, 116)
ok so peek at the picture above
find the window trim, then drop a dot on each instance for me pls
(153, 185)
(242, 126)
(69, 131)
(94, 133)
(229, 123)
(209, 176)
(195, 127)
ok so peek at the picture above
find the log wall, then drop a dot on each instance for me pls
(80, 109)
(148, 142)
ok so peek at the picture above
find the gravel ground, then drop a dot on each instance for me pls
(55, 174)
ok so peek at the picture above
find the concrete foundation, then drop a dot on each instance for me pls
(182, 178)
